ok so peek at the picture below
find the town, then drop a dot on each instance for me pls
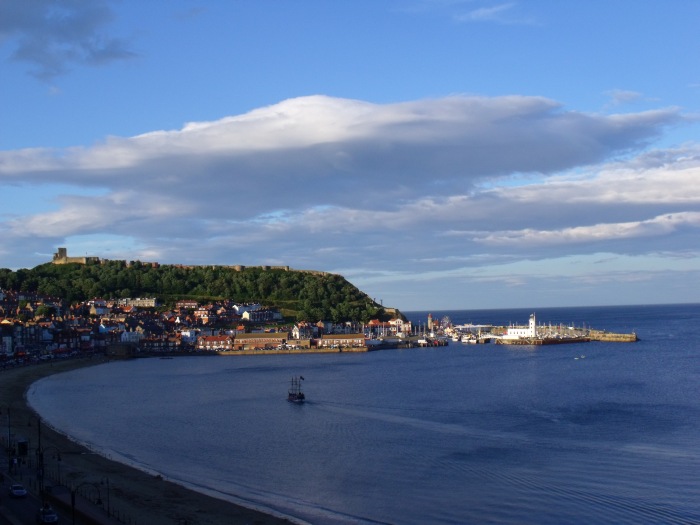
(35, 327)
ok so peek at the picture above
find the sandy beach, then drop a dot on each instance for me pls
(142, 497)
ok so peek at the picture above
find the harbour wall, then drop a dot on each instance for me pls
(602, 335)
(537, 341)
(295, 351)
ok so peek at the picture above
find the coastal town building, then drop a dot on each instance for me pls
(28, 330)
(215, 343)
(246, 307)
(186, 304)
(340, 340)
(206, 315)
(260, 315)
(100, 309)
(254, 341)
(394, 327)
(304, 330)
(140, 302)
(188, 337)
(6, 337)
(522, 332)
(400, 327)
(132, 337)
(155, 345)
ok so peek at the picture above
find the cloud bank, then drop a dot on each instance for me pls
(429, 187)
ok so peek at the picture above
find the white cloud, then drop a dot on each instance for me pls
(661, 225)
(451, 139)
(622, 96)
(495, 12)
(499, 13)
(445, 188)
(466, 11)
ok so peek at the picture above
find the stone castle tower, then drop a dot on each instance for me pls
(61, 257)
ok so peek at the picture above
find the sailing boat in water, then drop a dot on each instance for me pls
(295, 395)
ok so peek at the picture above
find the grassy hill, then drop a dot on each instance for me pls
(298, 294)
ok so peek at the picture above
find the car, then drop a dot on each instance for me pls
(17, 491)
(46, 515)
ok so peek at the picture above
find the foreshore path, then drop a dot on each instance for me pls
(98, 490)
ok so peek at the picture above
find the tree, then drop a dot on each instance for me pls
(44, 311)
(308, 295)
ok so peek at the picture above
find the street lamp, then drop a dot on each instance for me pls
(39, 457)
(9, 440)
(105, 481)
(11, 452)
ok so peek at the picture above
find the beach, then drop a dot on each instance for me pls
(138, 496)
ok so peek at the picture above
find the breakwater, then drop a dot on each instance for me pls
(591, 335)
(602, 335)
(537, 341)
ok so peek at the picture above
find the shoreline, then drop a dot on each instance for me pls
(135, 494)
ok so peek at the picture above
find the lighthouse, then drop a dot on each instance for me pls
(520, 332)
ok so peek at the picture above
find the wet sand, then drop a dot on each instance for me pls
(134, 494)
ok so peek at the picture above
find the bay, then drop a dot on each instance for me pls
(447, 435)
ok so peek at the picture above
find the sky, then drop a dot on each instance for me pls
(439, 154)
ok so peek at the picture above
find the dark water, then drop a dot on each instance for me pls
(451, 435)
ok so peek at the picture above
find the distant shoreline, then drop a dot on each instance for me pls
(142, 497)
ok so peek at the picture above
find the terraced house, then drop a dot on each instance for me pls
(215, 343)
(342, 340)
(260, 340)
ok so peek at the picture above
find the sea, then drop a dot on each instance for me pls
(588, 433)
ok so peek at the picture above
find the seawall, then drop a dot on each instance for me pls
(537, 341)
(294, 351)
(602, 335)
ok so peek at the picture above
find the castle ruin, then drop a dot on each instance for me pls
(61, 257)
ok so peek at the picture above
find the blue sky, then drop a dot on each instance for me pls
(437, 153)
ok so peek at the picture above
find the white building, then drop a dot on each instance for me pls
(131, 337)
(142, 302)
(188, 336)
(399, 326)
(522, 332)
(247, 307)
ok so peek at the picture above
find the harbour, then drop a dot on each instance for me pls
(533, 334)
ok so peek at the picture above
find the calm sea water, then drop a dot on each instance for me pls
(452, 435)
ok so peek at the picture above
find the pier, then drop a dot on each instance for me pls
(537, 341)
(536, 335)
(609, 337)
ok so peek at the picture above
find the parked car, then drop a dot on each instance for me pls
(46, 515)
(17, 491)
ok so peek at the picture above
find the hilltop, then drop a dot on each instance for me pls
(299, 294)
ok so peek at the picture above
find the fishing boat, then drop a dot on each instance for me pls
(295, 395)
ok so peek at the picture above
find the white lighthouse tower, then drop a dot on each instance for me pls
(521, 332)
(532, 325)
